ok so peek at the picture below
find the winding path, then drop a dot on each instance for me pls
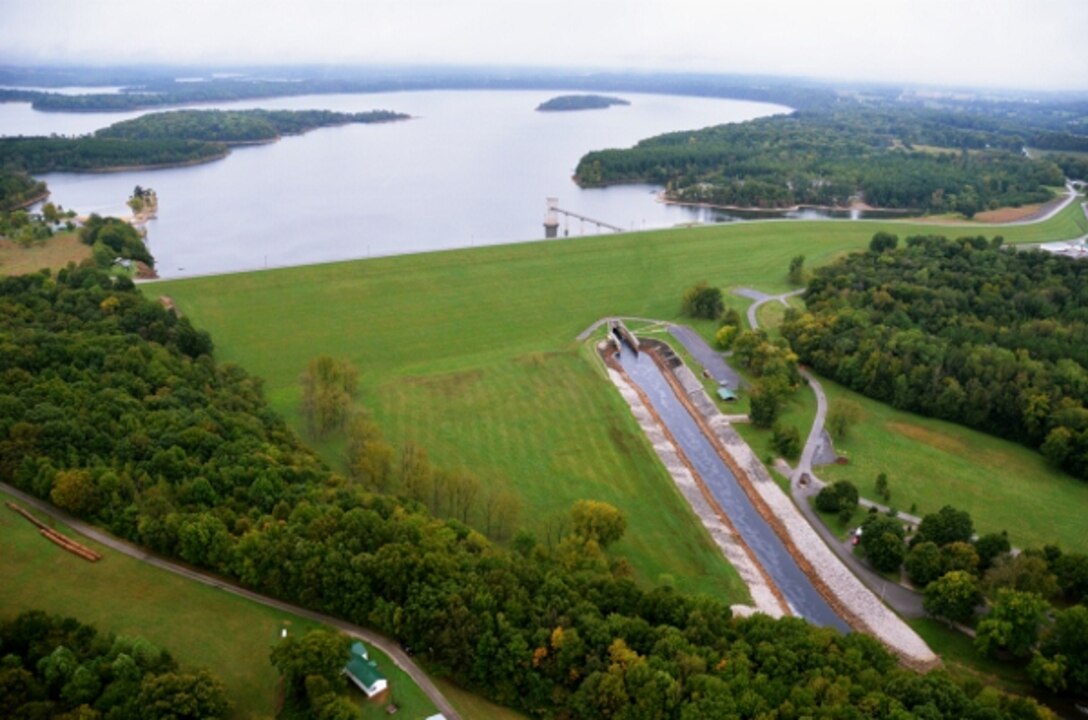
(905, 601)
(762, 299)
(386, 645)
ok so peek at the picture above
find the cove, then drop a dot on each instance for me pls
(470, 168)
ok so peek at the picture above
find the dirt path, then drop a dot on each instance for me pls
(386, 645)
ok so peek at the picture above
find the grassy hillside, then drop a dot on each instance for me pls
(200, 625)
(473, 354)
(931, 463)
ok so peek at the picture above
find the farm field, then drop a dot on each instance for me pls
(54, 254)
(472, 354)
(199, 625)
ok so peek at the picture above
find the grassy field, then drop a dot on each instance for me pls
(472, 353)
(54, 254)
(200, 625)
(931, 463)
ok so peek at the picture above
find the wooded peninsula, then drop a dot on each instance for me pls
(167, 139)
(903, 157)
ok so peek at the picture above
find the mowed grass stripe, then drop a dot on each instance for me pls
(555, 432)
(512, 410)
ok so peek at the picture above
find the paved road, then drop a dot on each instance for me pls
(711, 360)
(388, 646)
(903, 600)
(760, 300)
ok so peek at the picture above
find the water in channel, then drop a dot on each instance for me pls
(770, 552)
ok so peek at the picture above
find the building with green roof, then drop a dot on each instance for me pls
(362, 671)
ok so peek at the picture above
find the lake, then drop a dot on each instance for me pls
(470, 168)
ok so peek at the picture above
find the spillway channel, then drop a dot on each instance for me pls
(804, 599)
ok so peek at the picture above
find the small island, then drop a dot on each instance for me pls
(564, 103)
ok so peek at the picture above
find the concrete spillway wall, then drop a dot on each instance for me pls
(854, 602)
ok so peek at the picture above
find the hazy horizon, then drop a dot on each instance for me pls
(1006, 44)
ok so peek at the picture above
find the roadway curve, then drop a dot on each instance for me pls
(904, 600)
(386, 645)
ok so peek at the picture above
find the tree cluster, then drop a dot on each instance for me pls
(961, 330)
(115, 410)
(775, 365)
(963, 575)
(702, 301)
(111, 238)
(54, 667)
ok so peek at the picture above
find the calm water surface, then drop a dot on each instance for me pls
(470, 168)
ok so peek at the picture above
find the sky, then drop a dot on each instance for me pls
(1028, 44)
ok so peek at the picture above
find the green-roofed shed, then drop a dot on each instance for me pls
(726, 394)
(362, 671)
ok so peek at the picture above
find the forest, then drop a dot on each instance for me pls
(235, 126)
(116, 410)
(963, 330)
(84, 154)
(891, 157)
(17, 189)
(57, 667)
(564, 103)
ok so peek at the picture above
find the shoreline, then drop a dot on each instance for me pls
(227, 145)
(153, 166)
(663, 197)
(32, 201)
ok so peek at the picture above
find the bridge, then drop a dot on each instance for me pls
(551, 219)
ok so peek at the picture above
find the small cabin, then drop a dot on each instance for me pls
(363, 672)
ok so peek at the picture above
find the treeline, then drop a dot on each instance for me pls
(115, 410)
(17, 189)
(142, 93)
(832, 158)
(56, 667)
(961, 330)
(53, 154)
(1075, 167)
(234, 126)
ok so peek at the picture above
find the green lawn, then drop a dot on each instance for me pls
(199, 625)
(932, 463)
(472, 354)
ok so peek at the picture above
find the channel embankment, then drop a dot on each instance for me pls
(843, 591)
